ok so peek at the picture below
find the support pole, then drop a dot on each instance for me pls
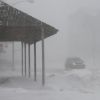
(35, 70)
(43, 64)
(29, 60)
(25, 57)
(13, 56)
(43, 55)
(22, 59)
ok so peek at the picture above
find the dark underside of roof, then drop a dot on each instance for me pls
(18, 26)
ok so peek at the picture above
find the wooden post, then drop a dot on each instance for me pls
(25, 57)
(29, 60)
(35, 70)
(43, 55)
(13, 56)
(22, 58)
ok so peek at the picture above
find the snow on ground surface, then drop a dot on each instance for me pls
(64, 85)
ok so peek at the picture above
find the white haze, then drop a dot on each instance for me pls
(72, 39)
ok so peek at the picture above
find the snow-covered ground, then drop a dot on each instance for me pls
(64, 85)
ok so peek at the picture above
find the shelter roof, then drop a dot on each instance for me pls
(16, 25)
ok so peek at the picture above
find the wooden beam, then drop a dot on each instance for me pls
(22, 59)
(29, 60)
(25, 58)
(35, 69)
(43, 55)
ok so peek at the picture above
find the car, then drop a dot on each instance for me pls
(74, 63)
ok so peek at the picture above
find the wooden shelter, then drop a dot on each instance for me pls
(16, 26)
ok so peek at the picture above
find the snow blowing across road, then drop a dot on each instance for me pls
(76, 84)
